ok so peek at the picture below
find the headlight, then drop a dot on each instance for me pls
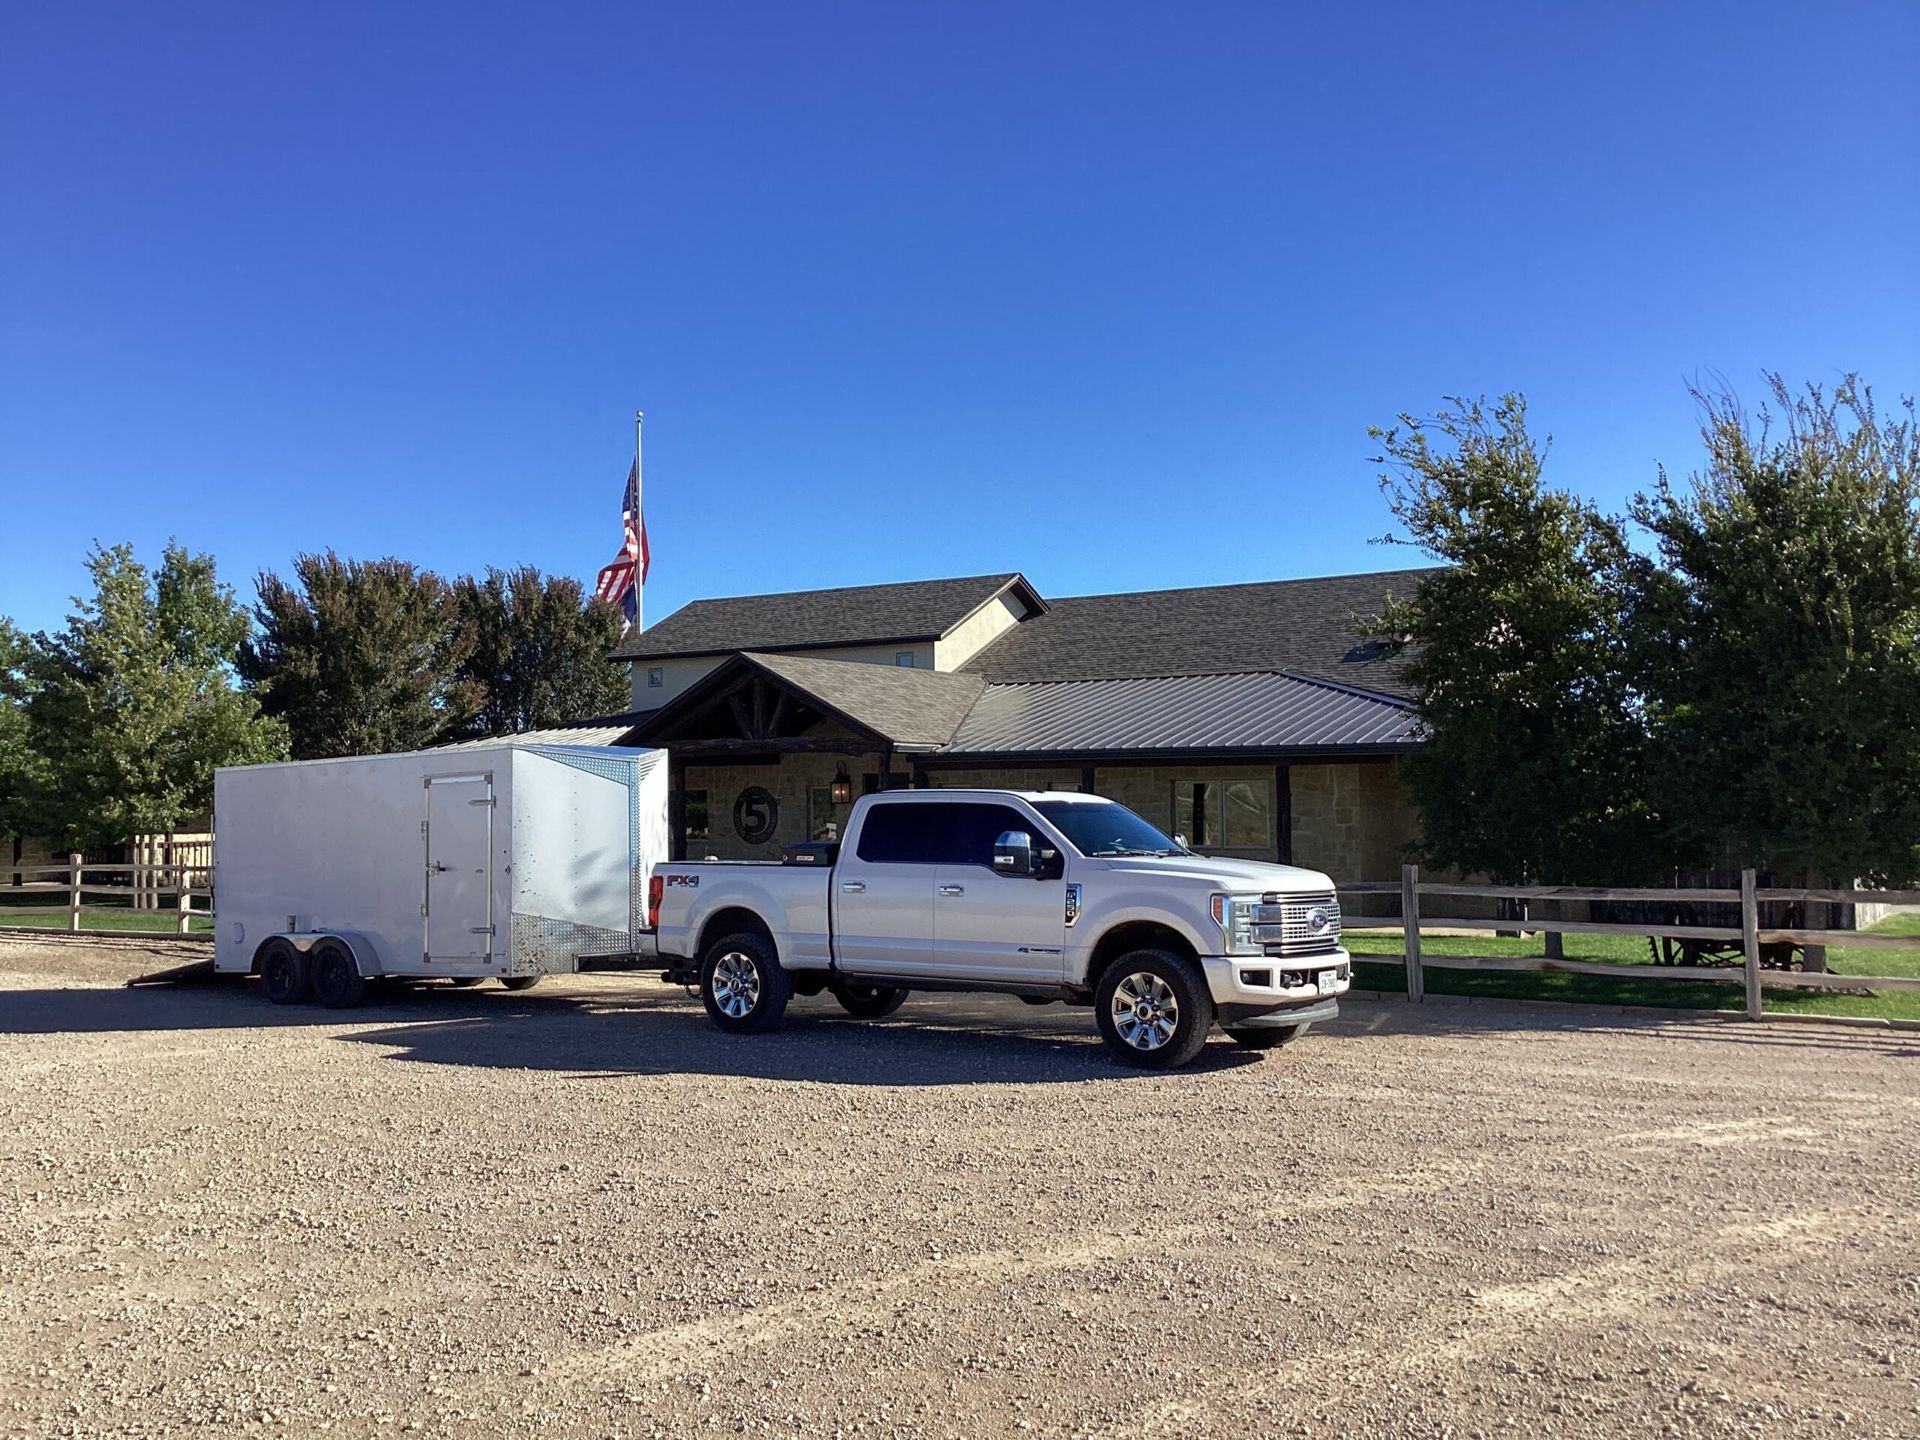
(1234, 915)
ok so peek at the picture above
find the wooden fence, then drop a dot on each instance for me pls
(141, 885)
(1749, 934)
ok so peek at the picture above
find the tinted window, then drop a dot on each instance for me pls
(963, 834)
(1104, 828)
(896, 834)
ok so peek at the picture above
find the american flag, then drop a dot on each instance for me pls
(621, 579)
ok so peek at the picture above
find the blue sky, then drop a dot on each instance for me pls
(1105, 293)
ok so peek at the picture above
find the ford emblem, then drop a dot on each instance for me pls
(1318, 921)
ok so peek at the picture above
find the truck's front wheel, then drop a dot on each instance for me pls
(743, 985)
(1154, 1009)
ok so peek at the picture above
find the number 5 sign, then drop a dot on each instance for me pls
(756, 814)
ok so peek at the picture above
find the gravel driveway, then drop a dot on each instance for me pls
(582, 1212)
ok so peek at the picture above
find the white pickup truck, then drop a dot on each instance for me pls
(1048, 896)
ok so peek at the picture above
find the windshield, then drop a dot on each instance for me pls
(1105, 828)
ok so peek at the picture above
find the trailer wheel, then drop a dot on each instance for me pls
(284, 974)
(337, 981)
(743, 985)
(867, 1002)
(1154, 1009)
(521, 982)
(463, 982)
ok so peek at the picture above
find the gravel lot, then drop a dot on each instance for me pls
(582, 1212)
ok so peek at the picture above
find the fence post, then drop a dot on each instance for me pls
(1750, 940)
(182, 900)
(73, 890)
(1410, 930)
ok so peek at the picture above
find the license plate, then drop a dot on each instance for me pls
(1329, 981)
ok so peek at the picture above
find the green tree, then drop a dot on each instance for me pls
(23, 772)
(132, 705)
(1515, 654)
(360, 657)
(540, 652)
(1780, 643)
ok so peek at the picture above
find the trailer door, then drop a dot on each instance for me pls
(458, 906)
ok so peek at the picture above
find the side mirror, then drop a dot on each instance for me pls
(1181, 841)
(1013, 853)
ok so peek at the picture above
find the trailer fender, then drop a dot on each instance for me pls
(365, 956)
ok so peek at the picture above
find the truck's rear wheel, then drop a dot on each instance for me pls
(1154, 1009)
(867, 1002)
(743, 985)
(337, 981)
(284, 973)
(1264, 1037)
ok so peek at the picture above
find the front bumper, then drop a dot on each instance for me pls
(1260, 981)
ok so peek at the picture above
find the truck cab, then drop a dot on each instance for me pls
(1051, 896)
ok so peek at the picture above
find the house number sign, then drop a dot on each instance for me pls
(756, 814)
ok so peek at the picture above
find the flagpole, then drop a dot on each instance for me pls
(640, 588)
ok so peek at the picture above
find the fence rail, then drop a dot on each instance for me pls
(147, 883)
(1412, 921)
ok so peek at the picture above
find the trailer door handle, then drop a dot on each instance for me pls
(854, 887)
(953, 889)
(438, 868)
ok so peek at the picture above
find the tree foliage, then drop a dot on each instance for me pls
(1516, 654)
(23, 771)
(360, 657)
(541, 652)
(1780, 639)
(131, 707)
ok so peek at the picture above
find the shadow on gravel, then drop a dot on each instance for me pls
(613, 1033)
(1543, 1023)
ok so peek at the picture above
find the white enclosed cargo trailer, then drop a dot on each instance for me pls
(506, 861)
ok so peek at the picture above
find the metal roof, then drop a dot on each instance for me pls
(606, 730)
(1181, 714)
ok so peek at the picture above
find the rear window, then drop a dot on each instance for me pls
(895, 834)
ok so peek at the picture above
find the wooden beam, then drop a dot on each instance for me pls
(780, 745)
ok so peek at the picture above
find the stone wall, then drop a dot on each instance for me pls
(1352, 820)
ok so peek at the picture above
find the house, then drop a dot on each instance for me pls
(1251, 718)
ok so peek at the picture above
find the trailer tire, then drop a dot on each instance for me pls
(337, 981)
(743, 984)
(867, 1002)
(463, 982)
(285, 977)
(521, 982)
(1153, 1009)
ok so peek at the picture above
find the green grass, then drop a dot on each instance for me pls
(1647, 988)
(45, 911)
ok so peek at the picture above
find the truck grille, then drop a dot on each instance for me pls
(1298, 924)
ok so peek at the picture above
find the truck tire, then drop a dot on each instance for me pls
(1154, 1009)
(867, 1002)
(1264, 1037)
(285, 977)
(337, 981)
(521, 982)
(743, 985)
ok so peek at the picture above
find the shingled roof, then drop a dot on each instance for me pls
(916, 611)
(910, 707)
(1306, 627)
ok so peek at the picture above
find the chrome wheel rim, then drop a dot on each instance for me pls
(736, 985)
(1145, 1011)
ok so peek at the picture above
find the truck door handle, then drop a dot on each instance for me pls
(854, 887)
(953, 889)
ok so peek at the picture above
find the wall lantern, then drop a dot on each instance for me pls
(842, 786)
